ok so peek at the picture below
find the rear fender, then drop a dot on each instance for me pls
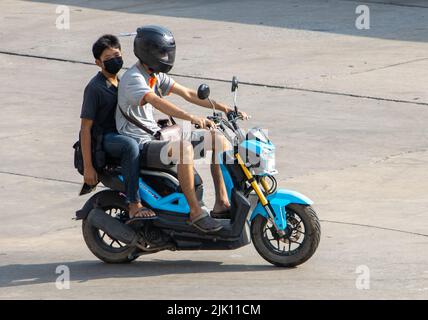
(100, 199)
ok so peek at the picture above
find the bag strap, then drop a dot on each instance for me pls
(139, 124)
(136, 123)
(139, 66)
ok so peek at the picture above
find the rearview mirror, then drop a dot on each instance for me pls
(234, 83)
(203, 91)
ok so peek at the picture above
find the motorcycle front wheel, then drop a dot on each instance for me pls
(299, 243)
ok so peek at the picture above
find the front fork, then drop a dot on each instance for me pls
(263, 200)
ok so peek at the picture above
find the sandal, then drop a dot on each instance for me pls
(221, 215)
(141, 210)
(205, 223)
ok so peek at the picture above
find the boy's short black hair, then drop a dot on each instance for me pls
(104, 42)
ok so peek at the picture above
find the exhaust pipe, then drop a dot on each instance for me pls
(113, 227)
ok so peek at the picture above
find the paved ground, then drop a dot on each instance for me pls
(347, 109)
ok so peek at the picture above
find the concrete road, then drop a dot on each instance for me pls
(347, 109)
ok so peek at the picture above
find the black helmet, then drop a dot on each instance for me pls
(155, 47)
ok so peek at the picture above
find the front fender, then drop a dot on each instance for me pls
(278, 201)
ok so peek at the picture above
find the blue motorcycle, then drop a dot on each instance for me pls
(281, 223)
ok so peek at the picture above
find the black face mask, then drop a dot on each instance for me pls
(113, 65)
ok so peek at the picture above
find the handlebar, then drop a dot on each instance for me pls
(231, 118)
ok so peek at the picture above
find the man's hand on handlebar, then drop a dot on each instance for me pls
(241, 114)
(244, 115)
(203, 123)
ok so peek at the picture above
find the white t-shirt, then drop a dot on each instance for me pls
(133, 86)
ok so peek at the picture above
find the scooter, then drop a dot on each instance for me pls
(281, 223)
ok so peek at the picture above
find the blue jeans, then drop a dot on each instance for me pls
(127, 149)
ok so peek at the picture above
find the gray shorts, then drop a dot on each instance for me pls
(151, 151)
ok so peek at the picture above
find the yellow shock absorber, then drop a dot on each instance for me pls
(264, 184)
(253, 182)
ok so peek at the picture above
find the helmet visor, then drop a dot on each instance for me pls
(164, 55)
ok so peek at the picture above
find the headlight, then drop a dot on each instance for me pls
(257, 134)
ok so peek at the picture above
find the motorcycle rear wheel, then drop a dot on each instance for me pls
(302, 224)
(102, 245)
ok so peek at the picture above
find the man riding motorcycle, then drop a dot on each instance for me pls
(141, 88)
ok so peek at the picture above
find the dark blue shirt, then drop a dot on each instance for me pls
(99, 103)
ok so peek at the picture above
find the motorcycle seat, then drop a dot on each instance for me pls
(114, 165)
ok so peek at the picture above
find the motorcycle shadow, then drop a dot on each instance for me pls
(13, 275)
